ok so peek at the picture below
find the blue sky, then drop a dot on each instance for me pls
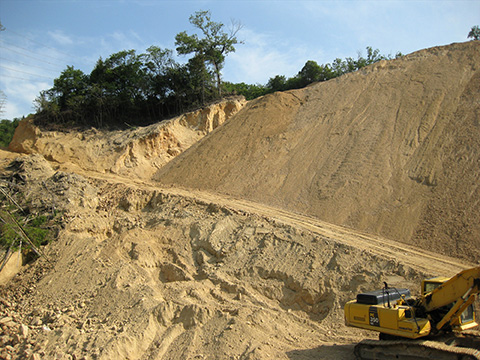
(42, 37)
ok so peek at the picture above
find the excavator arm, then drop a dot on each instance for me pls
(452, 316)
(460, 291)
(467, 281)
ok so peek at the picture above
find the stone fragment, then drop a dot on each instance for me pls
(24, 330)
(5, 319)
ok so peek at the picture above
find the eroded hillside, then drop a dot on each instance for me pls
(138, 152)
(189, 240)
(391, 150)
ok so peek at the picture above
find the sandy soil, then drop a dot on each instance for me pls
(142, 272)
(389, 150)
(206, 249)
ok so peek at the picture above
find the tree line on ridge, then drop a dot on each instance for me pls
(130, 89)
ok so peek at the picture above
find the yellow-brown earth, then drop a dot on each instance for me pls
(240, 231)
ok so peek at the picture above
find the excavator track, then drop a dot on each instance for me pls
(451, 348)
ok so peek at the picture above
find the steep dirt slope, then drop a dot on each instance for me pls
(392, 149)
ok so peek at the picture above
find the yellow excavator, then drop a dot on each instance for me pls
(439, 324)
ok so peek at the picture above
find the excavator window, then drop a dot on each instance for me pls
(430, 287)
(467, 315)
(432, 283)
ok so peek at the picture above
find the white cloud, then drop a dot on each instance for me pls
(22, 83)
(264, 56)
(26, 68)
(10, 111)
(20, 95)
(60, 38)
(31, 68)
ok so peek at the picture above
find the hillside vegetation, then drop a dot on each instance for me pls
(129, 89)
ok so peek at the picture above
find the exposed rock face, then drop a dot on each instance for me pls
(137, 152)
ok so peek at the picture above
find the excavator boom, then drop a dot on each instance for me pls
(462, 285)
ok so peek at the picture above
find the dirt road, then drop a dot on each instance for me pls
(415, 257)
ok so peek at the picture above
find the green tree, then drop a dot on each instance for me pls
(157, 63)
(71, 83)
(121, 74)
(46, 104)
(277, 83)
(212, 48)
(120, 85)
(157, 60)
(7, 129)
(249, 91)
(311, 72)
(159, 68)
(474, 33)
(373, 56)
